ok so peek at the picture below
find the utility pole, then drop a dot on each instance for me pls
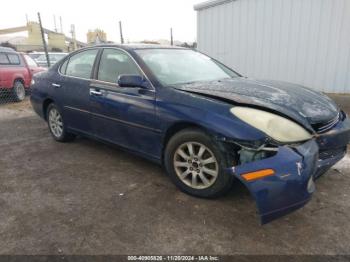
(61, 25)
(54, 22)
(74, 37)
(44, 42)
(121, 32)
(171, 36)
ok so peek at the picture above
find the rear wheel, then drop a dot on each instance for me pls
(196, 164)
(19, 91)
(56, 125)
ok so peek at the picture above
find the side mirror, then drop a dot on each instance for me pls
(132, 81)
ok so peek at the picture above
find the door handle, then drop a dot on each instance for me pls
(56, 85)
(95, 92)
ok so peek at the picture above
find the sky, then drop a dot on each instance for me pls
(142, 20)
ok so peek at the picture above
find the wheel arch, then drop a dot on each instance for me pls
(178, 127)
(222, 144)
(46, 104)
(18, 79)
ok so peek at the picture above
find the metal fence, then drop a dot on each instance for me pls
(15, 94)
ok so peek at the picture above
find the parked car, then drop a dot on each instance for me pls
(40, 58)
(35, 55)
(208, 125)
(16, 71)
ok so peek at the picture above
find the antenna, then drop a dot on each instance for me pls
(27, 19)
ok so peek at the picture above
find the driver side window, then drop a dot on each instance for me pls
(115, 63)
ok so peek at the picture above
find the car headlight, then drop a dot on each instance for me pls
(32, 82)
(275, 126)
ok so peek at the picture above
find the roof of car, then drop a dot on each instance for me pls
(7, 49)
(139, 46)
(50, 53)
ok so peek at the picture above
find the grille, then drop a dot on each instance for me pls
(325, 154)
(324, 127)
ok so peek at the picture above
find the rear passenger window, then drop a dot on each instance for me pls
(115, 63)
(3, 59)
(14, 59)
(81, 64)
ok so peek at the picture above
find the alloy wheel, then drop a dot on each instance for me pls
(196, 165)
(55, 123)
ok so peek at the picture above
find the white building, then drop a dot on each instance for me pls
(300, 41)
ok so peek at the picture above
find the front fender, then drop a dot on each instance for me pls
(174, 106)
(291, 186)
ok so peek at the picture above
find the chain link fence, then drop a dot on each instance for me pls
(16, 94)
(16, 72)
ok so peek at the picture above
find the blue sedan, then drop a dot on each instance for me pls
(206, 124)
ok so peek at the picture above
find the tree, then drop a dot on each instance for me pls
(186, 45)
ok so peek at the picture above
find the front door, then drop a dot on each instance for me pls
(125, 116)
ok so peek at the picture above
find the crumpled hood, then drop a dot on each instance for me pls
(297, 102)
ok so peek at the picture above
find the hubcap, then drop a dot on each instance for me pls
(196, 165)
(20, 92)
(55, 122)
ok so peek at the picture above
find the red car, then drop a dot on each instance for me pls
(16, 71)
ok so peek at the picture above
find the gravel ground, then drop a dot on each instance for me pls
(89, 198)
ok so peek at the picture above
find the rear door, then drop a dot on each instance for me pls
(20, 66)
(4, 71)
(125, 116)
(72, 89)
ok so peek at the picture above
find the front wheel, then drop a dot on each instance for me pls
(196, 164)
(56, 125)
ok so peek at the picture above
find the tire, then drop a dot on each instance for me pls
(19, 91)
(56, 125)
(212, 160)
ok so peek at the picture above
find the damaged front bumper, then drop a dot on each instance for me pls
(295, 170)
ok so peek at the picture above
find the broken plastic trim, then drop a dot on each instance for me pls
(249, 151)
(253, 145)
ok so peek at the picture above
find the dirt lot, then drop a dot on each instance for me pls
(89, 198)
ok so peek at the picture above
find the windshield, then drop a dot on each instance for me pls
(180, 66)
